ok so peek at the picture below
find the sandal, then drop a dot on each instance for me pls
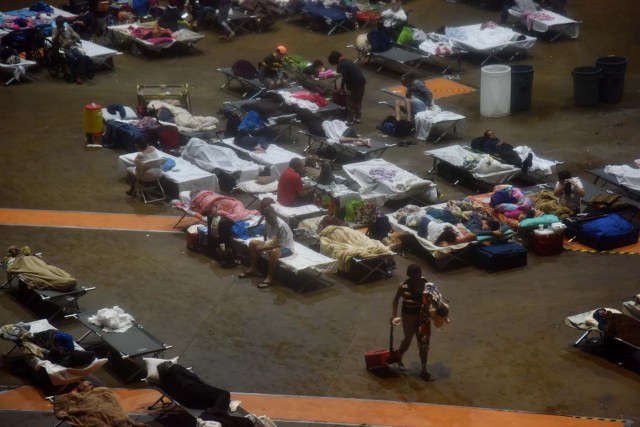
(426, 376)
(264, 285)
(246, 274)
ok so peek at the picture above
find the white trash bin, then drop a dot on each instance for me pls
(495, 90)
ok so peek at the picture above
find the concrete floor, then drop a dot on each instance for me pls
(507, 346)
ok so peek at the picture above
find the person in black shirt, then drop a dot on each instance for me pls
(271, 73)
(353, 81)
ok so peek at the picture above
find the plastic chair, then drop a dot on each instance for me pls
(150, 190)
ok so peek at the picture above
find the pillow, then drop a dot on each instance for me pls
(152, 367)
(531, 223)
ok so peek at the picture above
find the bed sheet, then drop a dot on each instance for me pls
(631, 309)
(289, 213)
(380, 176)
(544, 20)
(471, 37)
(626, 175)
(486, 167)
(333, 13)
(585, 321)
(209, 157)
(184, 175)
(304, 258)
(275, 157)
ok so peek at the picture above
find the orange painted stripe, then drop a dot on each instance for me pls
(441, 88)
(91, 220)
(334, 410)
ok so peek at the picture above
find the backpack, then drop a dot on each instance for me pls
(397, 128)
(379, 41)
(251, 121)
(244, 69)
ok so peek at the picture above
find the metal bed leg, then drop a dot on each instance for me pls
(180, 220)
(582, 337)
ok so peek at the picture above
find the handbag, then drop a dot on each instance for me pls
(340, 97)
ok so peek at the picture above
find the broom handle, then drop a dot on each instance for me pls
(391, 339)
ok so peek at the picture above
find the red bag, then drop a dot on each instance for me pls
(367, 16)
(376, 359)
(340, 97)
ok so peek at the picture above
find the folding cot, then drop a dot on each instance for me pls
(624, 177)
(183, 176)
(396, 54)
(99, 55)
(441, 52)
(18, 71)
(252, 86)
(62, 301)
(631, 308)
(239, 20)
(130, 345)
(440, 257)
(281, 117)
(380, 176)
(625, 330)
(328, 110)
(303, 261)
(490, 41)
(274, 157)
(215, 158)
(59, 376)
(425, 120)
(123, 35)
(335, 17)
(358, 261)
(484, 167)
(544, 20)
(376, 148)
(324, 85)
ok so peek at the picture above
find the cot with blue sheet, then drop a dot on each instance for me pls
(335, 17)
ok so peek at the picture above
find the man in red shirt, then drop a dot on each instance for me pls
(291, 192)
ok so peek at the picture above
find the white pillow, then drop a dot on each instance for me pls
(152, 367)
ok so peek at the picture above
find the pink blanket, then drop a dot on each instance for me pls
(209, 203)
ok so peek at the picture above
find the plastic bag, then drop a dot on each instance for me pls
(405, 36)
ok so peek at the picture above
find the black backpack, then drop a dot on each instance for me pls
(379, 41)
(397, 128)
(245, 69)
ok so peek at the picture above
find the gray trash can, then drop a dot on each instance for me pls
(612, 83)
(495, 90)
(586, 86)
(521, 87)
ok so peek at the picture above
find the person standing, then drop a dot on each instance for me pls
(415, 318)
(353, 81)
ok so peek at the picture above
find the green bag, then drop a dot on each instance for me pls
(405, 36)
(351, 208)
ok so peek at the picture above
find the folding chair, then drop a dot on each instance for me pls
(150, 190)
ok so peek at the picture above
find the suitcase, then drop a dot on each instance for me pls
(547, 242)
(604, 233)
(376, 359)
(502, 256)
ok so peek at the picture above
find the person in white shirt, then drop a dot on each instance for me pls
(569, 190)
(393, 19)
(278, 244)
(146, 152)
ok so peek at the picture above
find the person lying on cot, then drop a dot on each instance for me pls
(482, 225)
(489, 143)
(278, 244)
(439, 226)
(209, 203)
(314, 69)
(89, 405)
(333, 130)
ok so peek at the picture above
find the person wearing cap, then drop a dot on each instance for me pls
(353, 81)
(77, 61)
(271, 73)
(417, 99)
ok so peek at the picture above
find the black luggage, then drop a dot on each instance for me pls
(501, 256)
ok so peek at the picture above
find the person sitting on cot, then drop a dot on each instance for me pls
(278, 244)
(291, 191)
(146, 152)
(270, 68)
(417, 99)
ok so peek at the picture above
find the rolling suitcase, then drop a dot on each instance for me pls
(376, 359)
(502, 256)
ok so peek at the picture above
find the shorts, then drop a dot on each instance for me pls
(285, 252)
(417, 106)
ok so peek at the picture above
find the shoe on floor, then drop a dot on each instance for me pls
(426, 376)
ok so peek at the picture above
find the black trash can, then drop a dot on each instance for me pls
(612, 83)
(521, 87)
(586, 86)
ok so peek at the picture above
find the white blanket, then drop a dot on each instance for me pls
(275, 157)
(289, 99)
(380, 176)
(471, 37)
(184, 119)
(585, 321)
(544, 20)
(209, 157)
(426, 119)
(625, 175)
(184, 175)
(304, 258)
(289, 213)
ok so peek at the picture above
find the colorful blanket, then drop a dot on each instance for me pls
(210, 203)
